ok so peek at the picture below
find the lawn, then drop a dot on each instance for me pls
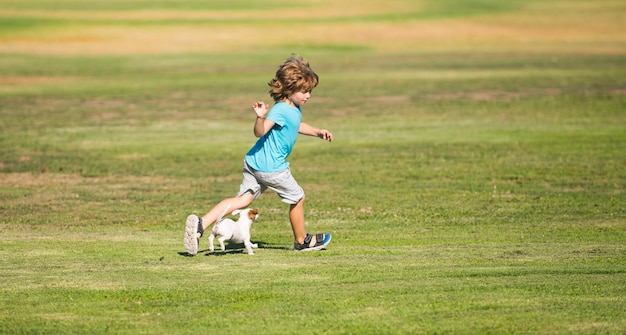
(475, 184)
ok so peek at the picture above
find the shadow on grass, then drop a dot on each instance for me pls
(233, 248)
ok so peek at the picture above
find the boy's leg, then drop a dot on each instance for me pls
(225, 207)
(290, 192)
(296, 217)
(304, 241)
(193, 229)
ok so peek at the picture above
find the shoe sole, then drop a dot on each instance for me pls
(191, 233)
(319, 247)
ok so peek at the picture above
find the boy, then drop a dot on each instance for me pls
(265, 165)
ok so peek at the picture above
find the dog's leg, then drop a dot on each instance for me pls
(221, 240)
(249, 246)
(211, 237)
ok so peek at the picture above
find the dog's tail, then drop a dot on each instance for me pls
(219, 219)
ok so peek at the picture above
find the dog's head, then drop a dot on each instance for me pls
(253, 214)
(250, 213)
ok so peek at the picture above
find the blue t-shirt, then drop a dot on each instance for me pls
(271, 150)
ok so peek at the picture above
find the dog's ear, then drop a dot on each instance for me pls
(235, 212)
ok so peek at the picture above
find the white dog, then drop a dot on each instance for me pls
(238, 232)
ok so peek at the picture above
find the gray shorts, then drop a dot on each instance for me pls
(281, 182)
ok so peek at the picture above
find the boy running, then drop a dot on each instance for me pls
(265, 165)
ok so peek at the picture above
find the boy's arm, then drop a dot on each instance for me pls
(261, 125)
(307, 129)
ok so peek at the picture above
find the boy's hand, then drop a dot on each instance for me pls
(260, 108)
(325, 135)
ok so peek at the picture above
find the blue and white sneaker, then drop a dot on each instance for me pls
(321, 241)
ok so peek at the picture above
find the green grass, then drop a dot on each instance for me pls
(468, 191)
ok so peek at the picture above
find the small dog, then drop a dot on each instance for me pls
(238, 232)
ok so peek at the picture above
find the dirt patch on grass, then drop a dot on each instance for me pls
(583, 27)
(504, 95)
(29, 80)
(391, 98)
(28, 179)
(324, 10)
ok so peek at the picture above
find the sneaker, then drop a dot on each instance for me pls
(193, 226)
(321, 241)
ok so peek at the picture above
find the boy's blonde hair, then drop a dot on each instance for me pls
(295, 75)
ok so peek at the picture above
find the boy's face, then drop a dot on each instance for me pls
(300, 98)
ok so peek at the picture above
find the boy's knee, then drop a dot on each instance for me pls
(299, 202)
(246, 199)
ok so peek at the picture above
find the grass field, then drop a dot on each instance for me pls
(475, 184)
